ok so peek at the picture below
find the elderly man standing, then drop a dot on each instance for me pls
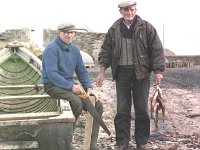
(61, 59)
(133, 49)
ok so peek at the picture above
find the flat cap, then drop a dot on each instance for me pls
(127, 3)
(66, 26)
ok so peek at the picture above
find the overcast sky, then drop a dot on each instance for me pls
(179, 19)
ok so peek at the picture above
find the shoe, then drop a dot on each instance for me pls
(141, 147)
(122, 147)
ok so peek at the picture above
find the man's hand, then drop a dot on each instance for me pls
(100, 77)
(77, 89)
(158, 77)
(99, 80)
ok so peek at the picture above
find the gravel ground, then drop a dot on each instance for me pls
(181, 89)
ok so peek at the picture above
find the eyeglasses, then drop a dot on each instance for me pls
(68, 32)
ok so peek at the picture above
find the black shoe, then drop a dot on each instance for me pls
(141, 147)
(123, 147)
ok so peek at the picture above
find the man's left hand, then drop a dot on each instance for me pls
(158, 77)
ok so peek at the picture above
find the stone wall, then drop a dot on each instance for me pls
(21, 35)
(195, 59)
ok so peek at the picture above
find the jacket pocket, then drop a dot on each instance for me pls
(144, 63)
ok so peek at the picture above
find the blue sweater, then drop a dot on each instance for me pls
(60, 62)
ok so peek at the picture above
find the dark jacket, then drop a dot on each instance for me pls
(148, 54)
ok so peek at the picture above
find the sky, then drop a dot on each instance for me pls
(176, 21)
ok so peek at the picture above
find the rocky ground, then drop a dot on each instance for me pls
(179, 131)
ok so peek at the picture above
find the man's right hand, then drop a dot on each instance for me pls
(100, 77)
(76, 89)
(99, 80)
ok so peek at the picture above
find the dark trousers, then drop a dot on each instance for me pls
(75, 102)
(130, 90)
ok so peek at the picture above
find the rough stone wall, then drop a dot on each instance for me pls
(48, 35)
(193, 59)
(90, 42)
(21, 35)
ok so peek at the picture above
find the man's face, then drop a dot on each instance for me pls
(67, 35)
(128, 13)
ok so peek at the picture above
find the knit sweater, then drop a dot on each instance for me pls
(59, 64)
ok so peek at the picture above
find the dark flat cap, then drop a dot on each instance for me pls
(66, 26)
(127, 3)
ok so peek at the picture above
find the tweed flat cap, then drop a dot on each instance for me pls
(127, 3)
(66, 26)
